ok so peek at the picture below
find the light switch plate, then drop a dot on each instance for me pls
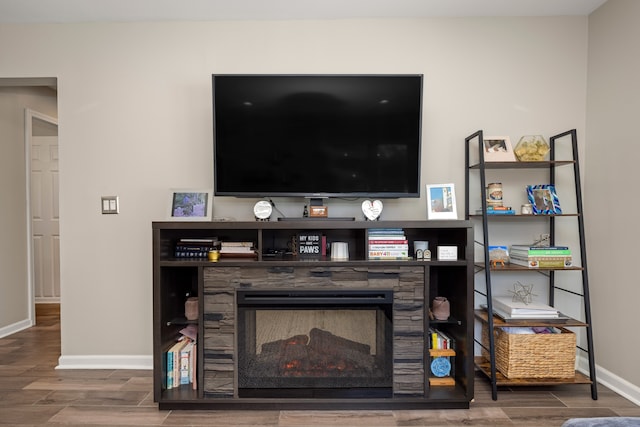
(110, 205)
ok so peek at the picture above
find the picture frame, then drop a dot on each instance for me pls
(498, 149)
(441, 201)
(544, 199)
(188, 204)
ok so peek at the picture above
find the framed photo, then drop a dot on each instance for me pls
(498, 149)
(543, 199)
(441, 201)
(190, 204)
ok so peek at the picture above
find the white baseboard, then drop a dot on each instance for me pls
(16, 327)
(105, 362)
(47, 300)
(615, 383)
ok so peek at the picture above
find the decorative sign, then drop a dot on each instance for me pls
(372, 209)
(310, 244)
(319, 211)
(447, 253)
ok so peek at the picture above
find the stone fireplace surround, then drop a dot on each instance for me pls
(314, 343)
(221, 284)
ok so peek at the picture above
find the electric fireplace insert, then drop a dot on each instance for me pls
(315, 344)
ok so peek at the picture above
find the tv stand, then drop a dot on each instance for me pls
(413, 285)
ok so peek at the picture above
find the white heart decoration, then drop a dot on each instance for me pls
(372, 210)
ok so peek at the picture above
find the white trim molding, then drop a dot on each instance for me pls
(16, 327)
(612, 381)
(105, 362)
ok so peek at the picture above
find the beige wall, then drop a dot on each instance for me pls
(611, 193)
(14, 300)
(135, 120)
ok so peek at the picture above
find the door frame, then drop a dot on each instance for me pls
(29, 115)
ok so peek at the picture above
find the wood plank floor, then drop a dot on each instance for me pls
(33, 393)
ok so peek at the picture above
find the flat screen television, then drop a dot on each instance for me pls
(317, 136)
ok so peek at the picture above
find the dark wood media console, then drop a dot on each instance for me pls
(336, 300)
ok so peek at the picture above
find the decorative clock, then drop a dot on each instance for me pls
(262, 210)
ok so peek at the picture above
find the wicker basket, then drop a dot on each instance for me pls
(533, 355)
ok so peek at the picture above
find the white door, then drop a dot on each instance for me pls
(45, 228)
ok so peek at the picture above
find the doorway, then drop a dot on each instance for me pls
(41, 141)
(17, 296)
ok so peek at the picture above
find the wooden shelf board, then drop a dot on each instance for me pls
(514, 267)
(442, 352)
(498, 322)
(445, 381)
(523, 165)
(517, 215)
(485, 367)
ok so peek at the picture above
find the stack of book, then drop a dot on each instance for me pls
(508, 309)
(540, 256)
(497, 210)
(195, 248)
(237, 249)
(181, 361)
(388, 244)
(438, 340)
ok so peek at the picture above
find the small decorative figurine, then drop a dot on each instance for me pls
(372, 209)
(495, 262)
(523, 293)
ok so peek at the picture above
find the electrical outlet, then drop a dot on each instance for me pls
(110, 205)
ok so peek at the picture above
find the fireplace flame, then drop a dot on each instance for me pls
(319, 354)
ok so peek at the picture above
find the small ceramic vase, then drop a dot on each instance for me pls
(191, 308)
(440, 308)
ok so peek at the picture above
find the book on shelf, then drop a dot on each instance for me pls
(559, 318)
(519, 309)
(194, 364)
(389, 247)
(497, 212)
(185, 363)
(388, 241)
(180, 359)
(194, 247)
(173, 363)
(527, 251)
(190, 254)
(385, 231)
(168, 364)
(532, 247)
(208, 240)
(236, 244)
(236, 249)
(542, 261)
(387, 237)
(438, 340)
(395, 254)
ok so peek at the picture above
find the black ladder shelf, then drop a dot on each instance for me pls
(488, 367)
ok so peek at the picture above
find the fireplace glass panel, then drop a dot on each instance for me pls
(333, 344)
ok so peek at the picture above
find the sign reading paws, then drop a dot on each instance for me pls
(372, 209)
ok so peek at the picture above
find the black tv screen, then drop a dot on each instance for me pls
(317, 135)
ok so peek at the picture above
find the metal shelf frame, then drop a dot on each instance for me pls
(476, 139)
